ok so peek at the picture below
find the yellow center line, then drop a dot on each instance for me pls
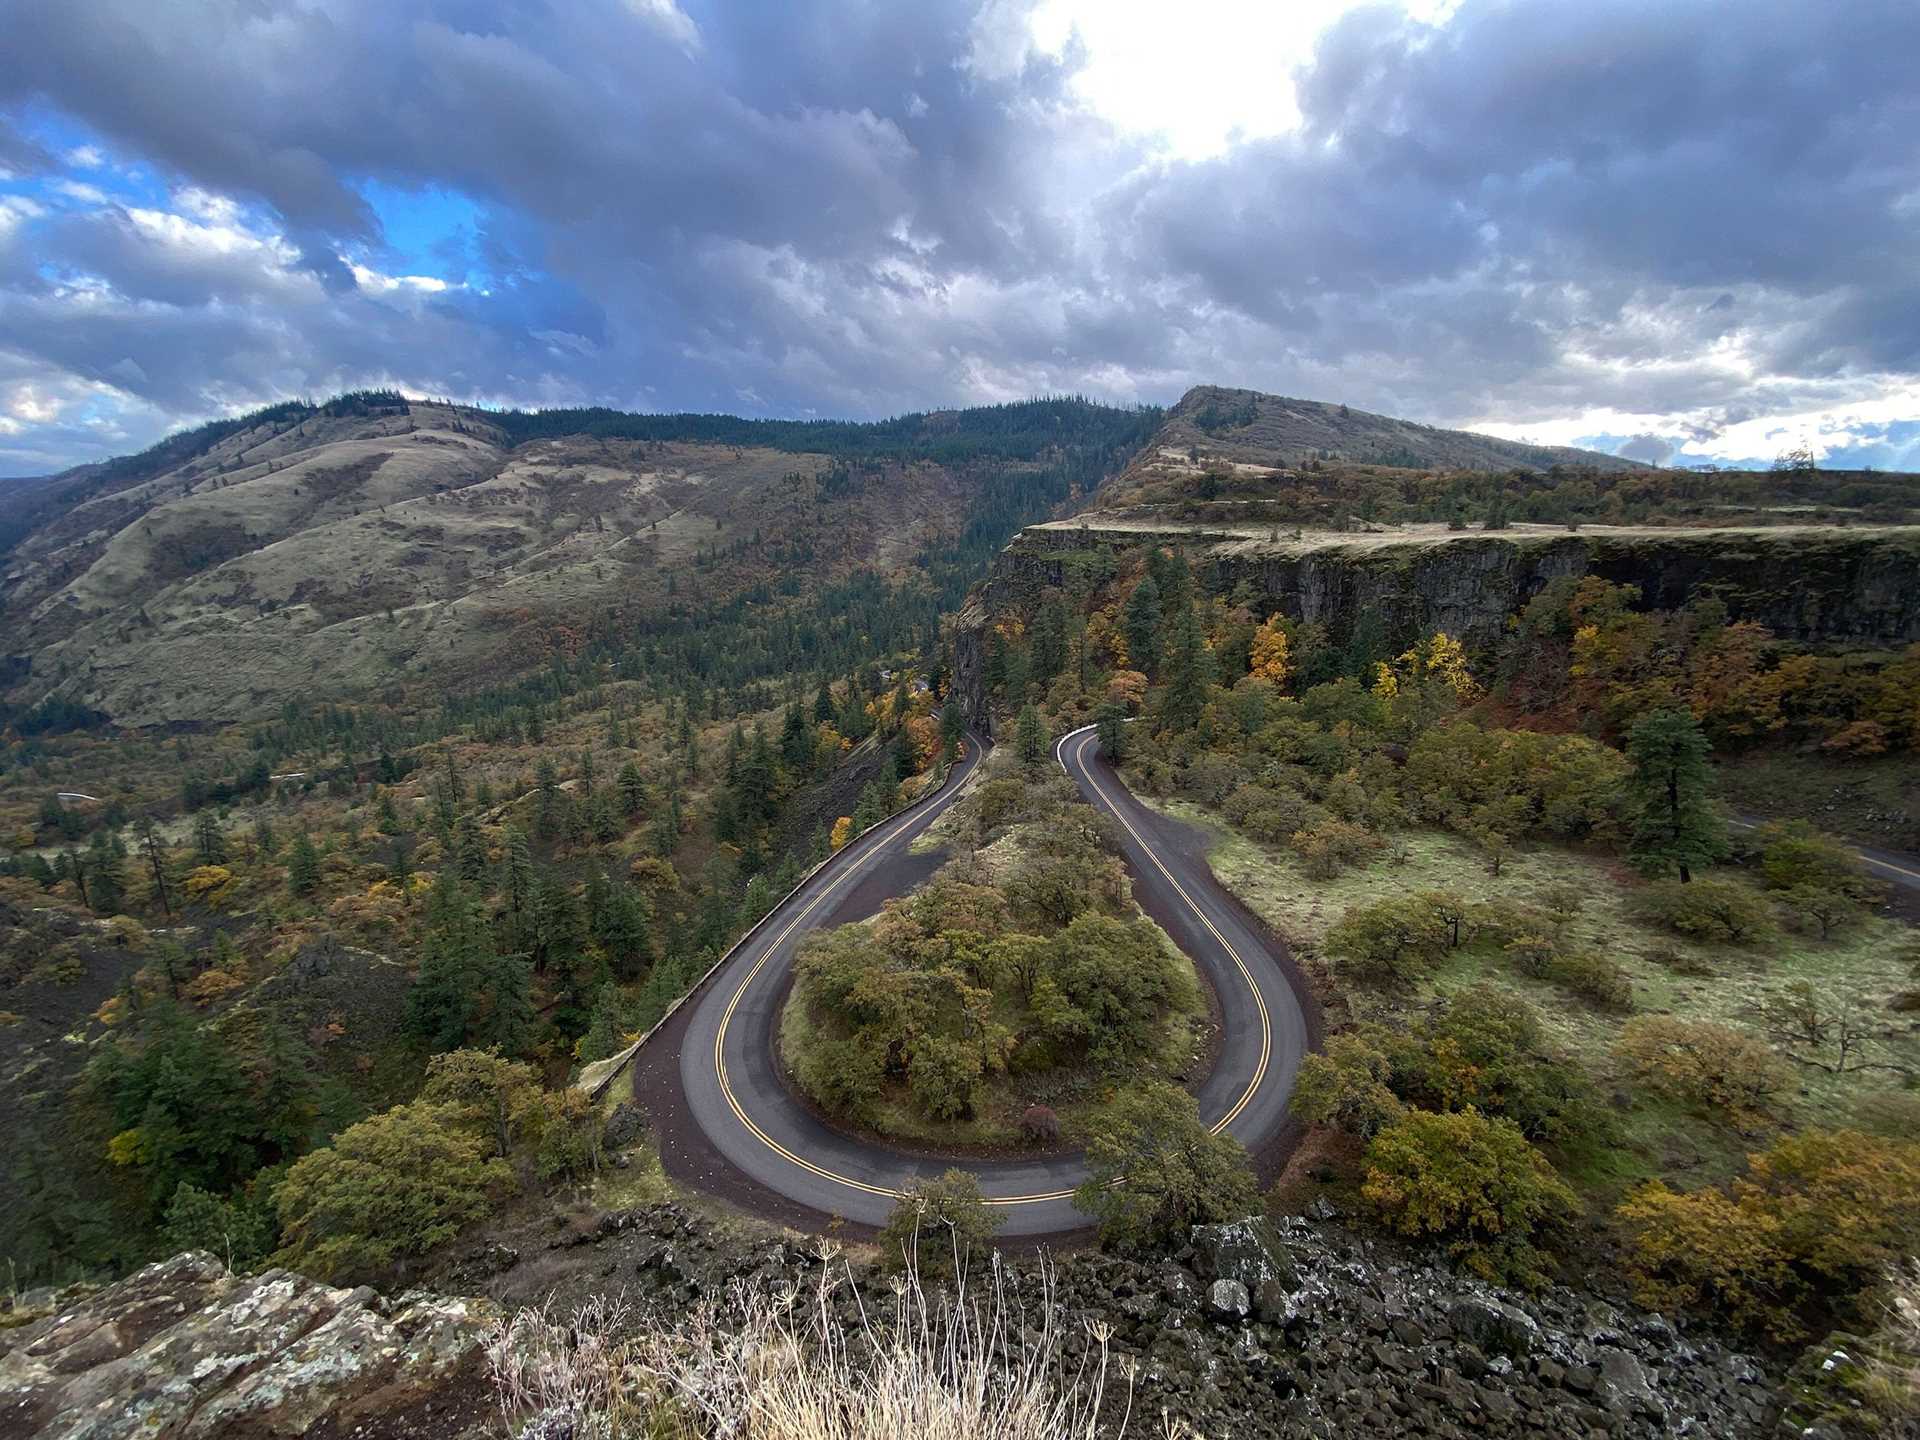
(880, 841)
(1860, 855)
(1259, 1000)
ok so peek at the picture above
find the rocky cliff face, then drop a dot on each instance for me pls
(1814, 585)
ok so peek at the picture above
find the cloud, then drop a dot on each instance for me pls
(1636, 220)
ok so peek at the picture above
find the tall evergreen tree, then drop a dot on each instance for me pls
(1050, 639)
(632, 787)
(303, 866)
(156, 859)
(1030, 736)
(109, 881)
(467, 995)
(1675, 825)
(1140, 623)
(796, 741)
(1188, 672)
(208, 840)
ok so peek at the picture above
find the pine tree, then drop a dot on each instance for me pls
(632, 787)
(109, 883)
(1030, 736)
(906, 753)
(624, 934)
(664, 984)
(470, 853)
(823, 704)
(1675, 825)
(796, 741)
(755, 783)
(156, 863)
(467, 994)
(1189, 670)
(608, 1026)
(303, 866)
(1050, 639)
(207, 839)
(547, 817)
(953, 729)
(1140, 623)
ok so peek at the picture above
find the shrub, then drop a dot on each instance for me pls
(937, 1225)
(1820, 1216)
(569, 1142)
(1347, 1088)
(1797, 856)
(1477, 1183)
(1721, 911)
(1504, 921)
(1532, 955)
(1820, 911)
(1332, 845)
(1593, 976)
(388, 1189)
(240, 1231)
(1705, 1064)
(1484, 1051)
(1177, 1173)
(1391, 941)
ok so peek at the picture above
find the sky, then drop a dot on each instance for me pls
(1682, 230)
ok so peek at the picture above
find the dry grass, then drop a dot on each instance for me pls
(943, 1365)
(1720, 983)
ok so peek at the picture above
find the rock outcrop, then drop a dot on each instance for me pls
(1290, 1329)
(184, 1349)
(1260, 1329)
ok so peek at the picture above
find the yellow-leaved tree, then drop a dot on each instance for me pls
(1272, 655)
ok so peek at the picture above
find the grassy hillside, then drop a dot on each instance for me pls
(374, 541)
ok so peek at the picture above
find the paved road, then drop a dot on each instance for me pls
(1900, 870)
(760, 1144)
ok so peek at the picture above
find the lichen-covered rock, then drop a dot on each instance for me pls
(1248, 1251)
(1227, 1300)
(183, 1348)
(1495, 1326)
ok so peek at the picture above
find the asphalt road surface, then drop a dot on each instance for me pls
(727, 1122)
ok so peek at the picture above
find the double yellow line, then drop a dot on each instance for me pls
(879, 843)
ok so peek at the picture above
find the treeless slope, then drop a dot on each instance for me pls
(1244, 431)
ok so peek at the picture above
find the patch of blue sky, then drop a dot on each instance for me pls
(1894, 446)
(427, 231)
(82, 158)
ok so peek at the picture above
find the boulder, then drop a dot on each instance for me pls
(1228, 1301)
(1496, 1327)
(1248, 1251)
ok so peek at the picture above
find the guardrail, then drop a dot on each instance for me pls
(595, 1078)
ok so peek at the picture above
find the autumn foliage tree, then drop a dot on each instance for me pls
(1817, 1219)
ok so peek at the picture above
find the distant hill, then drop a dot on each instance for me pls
(373, 541)
(1237, 433)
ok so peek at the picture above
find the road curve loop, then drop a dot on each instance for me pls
(729, 1069)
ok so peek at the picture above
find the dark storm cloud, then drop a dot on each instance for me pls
(838, 207)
